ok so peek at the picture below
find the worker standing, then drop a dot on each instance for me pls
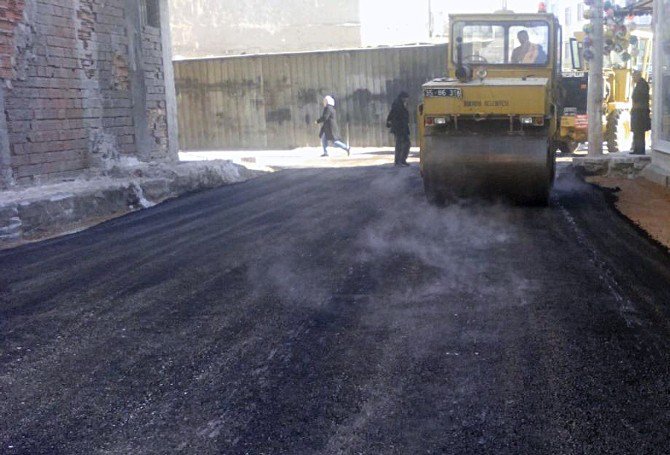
(640, 118)
(398, 121)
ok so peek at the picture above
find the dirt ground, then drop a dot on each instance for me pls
(643, 202)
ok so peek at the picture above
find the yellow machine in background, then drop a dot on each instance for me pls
(487, 128)
(617, 97)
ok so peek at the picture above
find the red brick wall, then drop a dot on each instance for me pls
(155, 85)
(11, 13)
(69, 106)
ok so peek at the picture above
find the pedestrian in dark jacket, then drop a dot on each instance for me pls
(640, 118)
(330, 131)
(398, 121)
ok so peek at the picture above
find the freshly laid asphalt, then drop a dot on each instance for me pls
(328, 311)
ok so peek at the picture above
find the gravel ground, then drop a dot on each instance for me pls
(643, 202)
(326, 311)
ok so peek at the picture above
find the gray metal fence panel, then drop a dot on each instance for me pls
(272, 101)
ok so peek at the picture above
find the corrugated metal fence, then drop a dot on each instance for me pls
(271, 101)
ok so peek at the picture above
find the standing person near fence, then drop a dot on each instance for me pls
(330, 131)
(398, 121)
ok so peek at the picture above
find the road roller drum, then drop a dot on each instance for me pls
(517, 167)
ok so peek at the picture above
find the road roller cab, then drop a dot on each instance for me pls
(485, 129)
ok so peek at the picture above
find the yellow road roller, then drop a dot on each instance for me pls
(486, 129)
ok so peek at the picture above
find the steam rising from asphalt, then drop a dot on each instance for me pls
(444, 250)
(432, 249)
(431, 233)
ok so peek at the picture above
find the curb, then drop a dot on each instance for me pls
(37, 213)
(622, 165)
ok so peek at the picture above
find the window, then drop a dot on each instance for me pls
(533, 43)
(523, 43)
(576, 54)
(568, 17)
(482, 43)
(638, 62)
(580, 12)
(150, 11)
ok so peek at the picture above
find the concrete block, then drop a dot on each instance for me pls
(37, 216)
(156, 190)
(622, 165)
(657, 175)
(591, 166)
(47, 215)
(7, 212)
(627, 166)
(11, 229)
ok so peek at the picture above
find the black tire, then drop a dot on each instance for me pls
(539, 201)
(617, 132)
(568, 147)
(434, 194)
(539, 198)
(541, 194)
(552, 166)
(543, 200)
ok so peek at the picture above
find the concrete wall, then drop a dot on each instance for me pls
(271, 101)
(203, 28)
(83, 82)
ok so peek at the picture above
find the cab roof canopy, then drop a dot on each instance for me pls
(639, 8)
(502, 15)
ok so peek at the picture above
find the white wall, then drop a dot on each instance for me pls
(392, 22)
(203, 28)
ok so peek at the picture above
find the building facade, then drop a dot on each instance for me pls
(206, 28)
(570, 14)
(660, 169)
(84, 83)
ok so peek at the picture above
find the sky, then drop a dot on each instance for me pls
(455, 6)
(452, 6)
(486, 6)
(385, 22)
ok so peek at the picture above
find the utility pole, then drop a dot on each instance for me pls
(595, 93)
(504, 5)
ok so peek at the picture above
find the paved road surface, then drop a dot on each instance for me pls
(331, 311)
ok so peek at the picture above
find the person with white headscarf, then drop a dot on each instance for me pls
(330, 131)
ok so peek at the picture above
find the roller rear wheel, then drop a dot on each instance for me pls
(568, 147)
(434, 194)
(617, 132)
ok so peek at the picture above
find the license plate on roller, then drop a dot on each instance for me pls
(443, 92)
